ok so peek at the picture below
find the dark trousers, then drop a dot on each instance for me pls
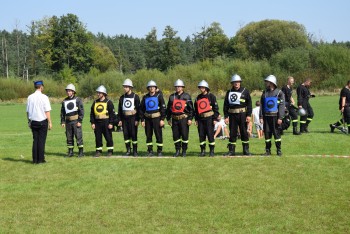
(129, 128)
(206, 129)
(180, 130)
(238, 121)
(305, 120)
(152, 125)
(293, 115)
(271, 128)
(39, 130)
(73, 131)
(101, 128)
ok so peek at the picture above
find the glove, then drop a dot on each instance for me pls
(313, 95)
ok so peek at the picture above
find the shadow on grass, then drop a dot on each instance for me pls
(18, 160)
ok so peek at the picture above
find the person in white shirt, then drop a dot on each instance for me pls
(39, 120)
(256, 120)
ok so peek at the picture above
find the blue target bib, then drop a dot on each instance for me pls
(270, 104)
(151, 103)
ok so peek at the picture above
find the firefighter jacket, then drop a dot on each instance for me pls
(272, 103)
(303, 95)
(129, 104)
(206, 104)
(102, 111)
(237, 100)
(72, 109)
(179, 105)
(345, 92)
(151, 105)
(288, 92)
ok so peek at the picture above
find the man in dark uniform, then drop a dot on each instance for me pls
(344, 107)
(237, 113)
(101, 119)
(128, 113)
(39, 120)
(304, 95)
(179, 116)
(288, 92)
(272, 113)
(206, 116)
(152, 115)
(72, 114)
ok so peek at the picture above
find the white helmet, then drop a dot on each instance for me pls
(235, 78)
(272, 79)
(203, 83)
(302, 112)
(151, 83)
(71, 87)
(179, 83)
(128, 82)
(101, 89)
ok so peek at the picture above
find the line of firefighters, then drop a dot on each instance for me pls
(179, 112)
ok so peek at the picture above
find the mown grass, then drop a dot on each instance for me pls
(294, 194)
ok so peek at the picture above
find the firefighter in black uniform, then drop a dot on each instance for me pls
(128, 113)
(344, 107)
(304, 95)
(272, 113)
(288, 92)
(237, 113)
(206, 115)
(152, 115)
(179, 117)
(101, 118)
(72, 114)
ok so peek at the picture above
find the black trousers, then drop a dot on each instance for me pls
(101, 128)
(129, 129)
(293, 115)
(152, 125)
(180, 130)
(238, 121)
(271, 128)
(73, 131)
(39, 130)
(309, 114)
(206, 129)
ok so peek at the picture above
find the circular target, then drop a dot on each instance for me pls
(100, 108)
(127, 103)
(203, 105)
(233, 97)
(270, 104)
(178, 106)
(70, 106)
(151, 104)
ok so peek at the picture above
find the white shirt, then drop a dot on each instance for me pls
(255, 114)
(37, 105)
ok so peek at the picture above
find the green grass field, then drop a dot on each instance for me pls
(300, 192)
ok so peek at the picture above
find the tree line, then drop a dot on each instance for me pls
(63, 49)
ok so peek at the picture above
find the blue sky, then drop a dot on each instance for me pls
(325, 20)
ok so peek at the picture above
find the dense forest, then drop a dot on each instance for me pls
(61, 50)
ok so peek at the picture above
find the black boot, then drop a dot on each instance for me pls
(203, 153)
(150, 151)
(128, 152)
(278, 146)
(98, 153)
(295, 131)
(70, 152)
(183, 152)
(81, 152)
(109, 153)
(134, 150)
(211, 152)
(159, 151)
(231, 150)
(177, 153)
(246, 149)
(267, 152)
(267, 148)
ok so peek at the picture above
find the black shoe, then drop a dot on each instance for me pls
(202, 154)
(150, 153)
(159, 154)
(177, 153)
(135, 154)
(97, 154)
(81, 153)
(279, 153)
(183, 153)
(267, 153)
(332, 127)
(296, 133)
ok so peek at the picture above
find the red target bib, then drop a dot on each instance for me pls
(203, 105)
(178, 106)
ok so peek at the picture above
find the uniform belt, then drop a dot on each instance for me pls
(153, 115)
(206, 114)
(71, 118)
(271, 113)
(237, 110)
(101, 116)
(127, 113)
(178, 117)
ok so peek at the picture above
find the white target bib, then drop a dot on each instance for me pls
(128, 104)
(70, 106)
(234, 98)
